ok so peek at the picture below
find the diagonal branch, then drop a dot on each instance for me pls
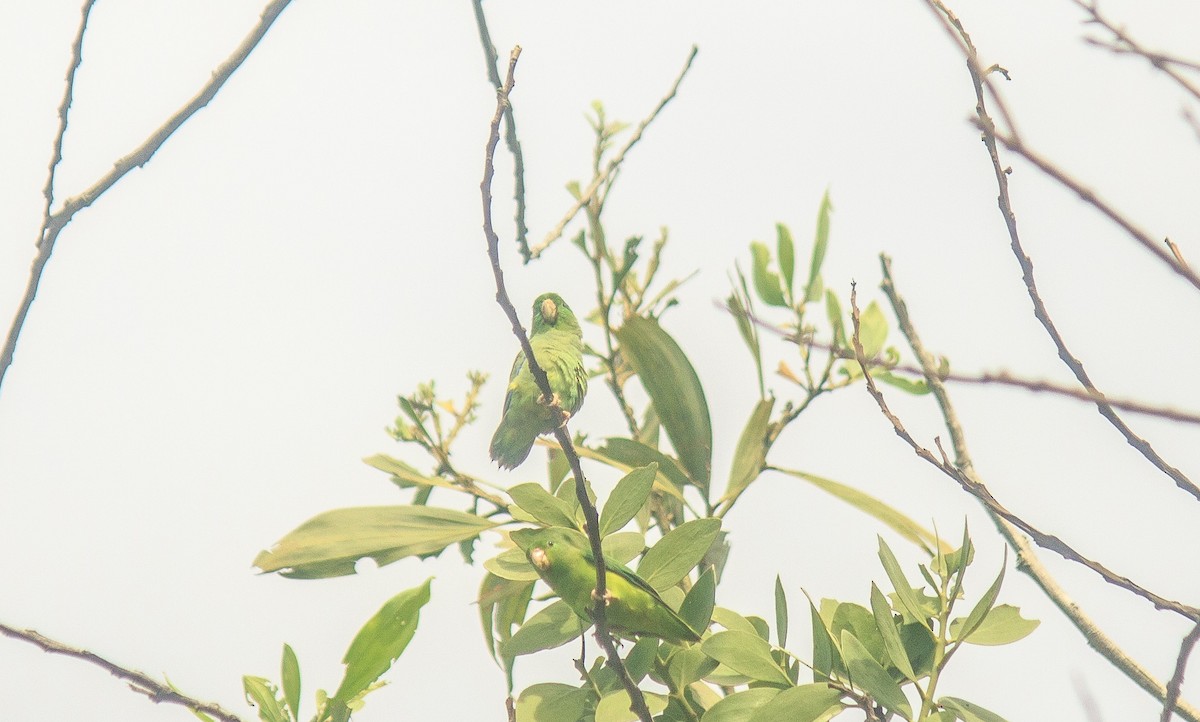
(139, 682)
(1171, 704)
(984, 122)
(586, 196)
(141, 155)
(637, 700)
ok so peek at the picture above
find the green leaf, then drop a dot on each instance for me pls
(837, 326)
(916, 387)
(982, 607)
(731, 620)
(751, 451)
(624, 546)
(697, 607)
(545, 507)
(1002, 625)
(820, 245)
(742, 306)
(677, 552)
(787, 257)
(614, 707)
(872, 330)
(687, 665)
(381, 641)
(552, 702)
(261, 693)
(904, 592)
(806, 703)
(404, 475)
(513, 565)
(919, 646)
(627, 455)
(942, 716)
(290, 676)
(891, 517)
(781, 612)
(861, 623)
(746, 654)
(969, 711)
(674, 387)
(329, 544)
(502, 604)
(765, 282)
(641, 658)
(826, 659)
(870, 677)
(627, 498)
(551, 627)
(740, 706)
(886, 624)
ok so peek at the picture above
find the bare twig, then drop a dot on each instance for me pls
(139, 682)
(510, 131)
(980, 80)
(141, 155)
(1122, 44)
(637, 700)
(587, 194)
(1173, 686)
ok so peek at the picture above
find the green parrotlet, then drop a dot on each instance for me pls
(563, 559)
(557, 343)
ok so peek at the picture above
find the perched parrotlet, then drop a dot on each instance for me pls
(563, 559)
(557, 343)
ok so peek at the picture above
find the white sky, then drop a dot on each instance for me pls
(220, 339)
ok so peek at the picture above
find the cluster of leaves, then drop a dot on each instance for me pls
(376, 646)
(862, 658)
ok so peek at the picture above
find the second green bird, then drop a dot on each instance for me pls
(557, 343)
(563, 559)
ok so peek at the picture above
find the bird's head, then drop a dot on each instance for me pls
(550, 311)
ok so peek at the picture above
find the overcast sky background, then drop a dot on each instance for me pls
(220, 339)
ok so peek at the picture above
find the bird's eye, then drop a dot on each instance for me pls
(549, 544)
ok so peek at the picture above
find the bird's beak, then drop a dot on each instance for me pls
(537, 555)
(549, 311)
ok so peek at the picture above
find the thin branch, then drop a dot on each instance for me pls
(1185, 651)
(510, 131)
(141, 155)
(637, 700)
(983, 121)
(139, 682)
(1122, 44)
(586, 196)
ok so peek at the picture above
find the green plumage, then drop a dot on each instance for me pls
(557, 343)
(564, 560)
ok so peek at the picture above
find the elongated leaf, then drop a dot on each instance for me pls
(697, 607)
(892, 518)
(812, 291)
(787, 257)
(623, 546)
(837, 326)
(982, 607)
(751, 452)
(740, 706)
(886, 625)
(969, 711)
(781, 613)
(687, 665)
(404, 475)
(870, 677)
(380, 642)
(825, 657)
(872, 330)
(511, 564)
(765, 282)
(806, 703)
(552, 702)
(677, 552)
(329, 544)
(261, 693)
(746, 654)
(1003, 625)
(544, 506)
(916, 387)
(502, 604)
(741, 306)
(904, 591)
(626, 455)
(551, 627)
(614, 706)
(674, 387)
(290, 676)
(627, 498)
